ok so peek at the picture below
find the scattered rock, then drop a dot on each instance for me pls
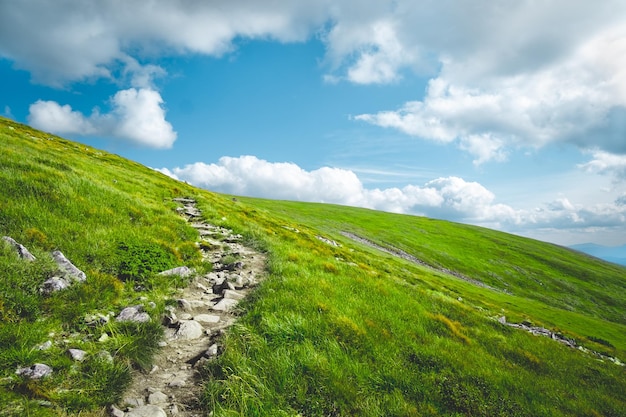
(54, 284)
(207, 318)
(181, 271)
(190, 326)
(225, 304)
(189, 330)
(133, 313)
(67, 269)
(21, 250)
(328, 241)
(115, 412)
(157, 397)
(36, 371)
(77, 354)
(146, 411)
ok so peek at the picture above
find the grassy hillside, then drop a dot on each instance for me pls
(334, 330)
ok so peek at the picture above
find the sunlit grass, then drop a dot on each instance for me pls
(332, 331)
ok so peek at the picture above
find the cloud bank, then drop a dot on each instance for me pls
(503, 75)
(450, 198)
(137, 116)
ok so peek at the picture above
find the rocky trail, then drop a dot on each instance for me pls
(193, 328)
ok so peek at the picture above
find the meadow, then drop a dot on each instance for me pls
(339, 329)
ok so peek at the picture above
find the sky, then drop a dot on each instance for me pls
(507, 114)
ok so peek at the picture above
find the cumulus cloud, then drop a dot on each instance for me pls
(606, 163)
(450, 198)
(505, 85)
(137, 116)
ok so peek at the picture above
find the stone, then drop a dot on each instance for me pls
(184, 304)
(146, 411)
(212, 350)
(207, 318)
(115, 412)
(103, 337)
(67, 269)
(134, 402)
(177, 383)
(157, 398)
(54, 284)
(181, 271)
(36, 371)
(233, 295)
(189, 330)
(225, 304)
(77, 354)
(133, 313)
(45, 346)
(21, 250)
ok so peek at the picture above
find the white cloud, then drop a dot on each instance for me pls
(503, 75)
(607, 164)
(451, 198)
(137, 116)
(508, 78)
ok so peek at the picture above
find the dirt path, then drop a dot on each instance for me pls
(193, 329)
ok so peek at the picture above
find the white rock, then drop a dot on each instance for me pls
(157, 398)
(36, 371)
(233, 295)
(146, 411)
(77, 354)
(189, 330)
(133, 313)
(207, 318)
(226, 304)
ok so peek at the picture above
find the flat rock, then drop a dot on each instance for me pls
(146, 411)
(36, 371)
(225, 304)
(157, 398)
(233, 295)
(133, 313)
(207, 318)
(189, 330)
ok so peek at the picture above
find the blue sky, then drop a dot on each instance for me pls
(510, 115)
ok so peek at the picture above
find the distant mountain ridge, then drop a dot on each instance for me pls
(615, 254)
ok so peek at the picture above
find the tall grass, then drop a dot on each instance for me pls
(332, 331)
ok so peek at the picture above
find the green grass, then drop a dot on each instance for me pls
(332, 331)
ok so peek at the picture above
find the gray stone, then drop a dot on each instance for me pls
(36, 371)
(233, 295)
(21, 250)
(146, 411)
(225, 304)
(115, 412)
(207, 318)
(177, 383)
(77, 354)
(189, 330)
(134, 402)
(157, 398)
(69, 271)
(133, 313)
(184, 304)
(212, 350)
(182, 271)
(54, 284)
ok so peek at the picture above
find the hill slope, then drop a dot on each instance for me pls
(362, 313)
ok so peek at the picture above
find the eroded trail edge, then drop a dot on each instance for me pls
(193, 328)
